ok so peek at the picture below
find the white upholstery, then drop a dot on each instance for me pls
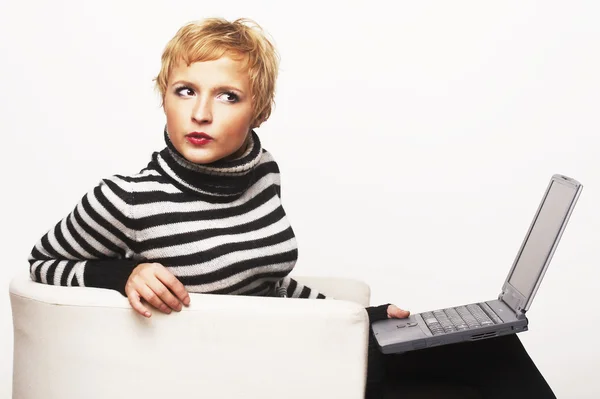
(75, 343)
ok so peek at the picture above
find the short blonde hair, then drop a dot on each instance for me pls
(212, 38)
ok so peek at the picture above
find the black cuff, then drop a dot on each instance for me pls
(377, 313)
(111, 274)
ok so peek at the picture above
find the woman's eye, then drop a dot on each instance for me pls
(184, 91)
(229, 97)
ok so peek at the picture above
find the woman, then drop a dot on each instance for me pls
(205, 214)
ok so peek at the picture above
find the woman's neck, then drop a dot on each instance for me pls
(226, 177)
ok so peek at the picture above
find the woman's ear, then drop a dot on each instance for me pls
(256, 124)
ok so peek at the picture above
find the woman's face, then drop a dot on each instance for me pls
(209, 109)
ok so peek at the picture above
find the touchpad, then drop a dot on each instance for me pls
(393, 331)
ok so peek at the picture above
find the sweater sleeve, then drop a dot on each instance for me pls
(92, 246)
(294, 289)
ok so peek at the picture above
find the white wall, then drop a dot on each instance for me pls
(415, 141)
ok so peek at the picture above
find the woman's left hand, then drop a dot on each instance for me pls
(394, 312)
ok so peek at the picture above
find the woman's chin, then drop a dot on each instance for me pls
(201, 156)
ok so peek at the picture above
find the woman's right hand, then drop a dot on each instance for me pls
(158, 286)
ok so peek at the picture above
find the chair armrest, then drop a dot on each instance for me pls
(73, 342)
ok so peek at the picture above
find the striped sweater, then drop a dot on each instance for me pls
(219, 228)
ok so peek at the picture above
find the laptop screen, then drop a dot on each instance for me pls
(545, 231)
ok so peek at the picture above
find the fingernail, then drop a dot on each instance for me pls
(147, 314)
(186, 301)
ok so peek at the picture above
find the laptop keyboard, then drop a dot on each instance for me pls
(460, 318)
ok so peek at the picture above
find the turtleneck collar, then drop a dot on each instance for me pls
(225, 179)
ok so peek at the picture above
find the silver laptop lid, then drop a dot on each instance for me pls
(539, 244)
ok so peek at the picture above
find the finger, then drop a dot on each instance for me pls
(150, 296)
(164, 294)
(394, 312)
(173, 284)
(136, 304)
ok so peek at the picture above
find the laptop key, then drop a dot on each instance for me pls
(444, 321)
(431, 322)
(479, 315)
(467, 317)
(491, 313)
(456, 320)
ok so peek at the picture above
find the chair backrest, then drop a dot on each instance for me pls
(73, 342)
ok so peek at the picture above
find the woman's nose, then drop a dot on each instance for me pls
(202, 111)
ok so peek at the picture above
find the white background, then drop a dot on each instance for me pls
(415, 141)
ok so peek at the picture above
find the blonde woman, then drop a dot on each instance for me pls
(205, 215)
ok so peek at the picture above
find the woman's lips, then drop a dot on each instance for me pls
(198, 138)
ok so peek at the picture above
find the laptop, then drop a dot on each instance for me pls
(502, 316)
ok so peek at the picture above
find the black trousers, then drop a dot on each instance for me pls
(491, 368)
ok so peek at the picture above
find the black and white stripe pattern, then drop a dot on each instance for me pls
(219, 228)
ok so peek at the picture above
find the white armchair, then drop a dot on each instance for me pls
(87, 343)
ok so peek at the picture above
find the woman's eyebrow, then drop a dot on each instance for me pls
(228, 88)
(218, 88)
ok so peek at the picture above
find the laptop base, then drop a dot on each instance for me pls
(412, 333)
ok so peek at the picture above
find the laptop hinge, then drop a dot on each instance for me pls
(513, 300)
